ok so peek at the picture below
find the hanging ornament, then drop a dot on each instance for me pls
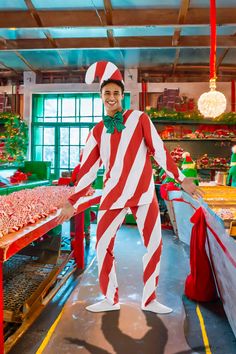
(213, 103)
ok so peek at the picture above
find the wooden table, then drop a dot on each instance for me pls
(14, 242)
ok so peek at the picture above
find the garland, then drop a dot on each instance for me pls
(228, 118)
(15, 136)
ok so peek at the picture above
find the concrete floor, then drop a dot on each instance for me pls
(129, 330)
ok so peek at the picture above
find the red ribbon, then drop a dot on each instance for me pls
(233, 96)
(143, 95)
(213, 40)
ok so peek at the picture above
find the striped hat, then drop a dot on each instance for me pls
(187, 161)
(104, 70)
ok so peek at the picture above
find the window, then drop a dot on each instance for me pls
(60, 126)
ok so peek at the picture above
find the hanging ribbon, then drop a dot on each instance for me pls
(213, 39)
(143, 95)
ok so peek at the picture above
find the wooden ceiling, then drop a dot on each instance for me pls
(60, 42)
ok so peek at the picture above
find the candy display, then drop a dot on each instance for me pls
(222, 200)
(225, 213)
(219, 195)
(27, 206)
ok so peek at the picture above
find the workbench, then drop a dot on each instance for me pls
(12, 243)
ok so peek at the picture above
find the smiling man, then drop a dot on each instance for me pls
(123, 142)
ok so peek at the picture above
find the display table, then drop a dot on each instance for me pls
(14, 242)
(220, 247)
(26, 185)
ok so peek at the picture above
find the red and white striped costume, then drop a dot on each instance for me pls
(128, 183)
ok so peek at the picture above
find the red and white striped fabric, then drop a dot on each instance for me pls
(128, 177)
(104, 70)
(148, 221)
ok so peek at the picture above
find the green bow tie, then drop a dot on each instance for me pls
(112, 122)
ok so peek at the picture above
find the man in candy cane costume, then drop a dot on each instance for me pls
(123, 142)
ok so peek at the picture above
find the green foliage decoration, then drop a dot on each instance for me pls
(229, 118)
(15, 136)
(195, 116)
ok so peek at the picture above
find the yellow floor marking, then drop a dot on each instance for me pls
(49, 334)
(203, 329)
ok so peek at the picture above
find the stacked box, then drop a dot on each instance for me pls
(168, 99)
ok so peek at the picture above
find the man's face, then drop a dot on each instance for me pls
(112, 97)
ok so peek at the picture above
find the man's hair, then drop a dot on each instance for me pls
(112, 81)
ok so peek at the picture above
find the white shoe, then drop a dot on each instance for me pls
(156, 307)
(103, 306)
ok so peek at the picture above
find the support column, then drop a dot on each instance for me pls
(29, 80)
(132, 85)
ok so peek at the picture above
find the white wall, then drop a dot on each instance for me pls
(193, 89)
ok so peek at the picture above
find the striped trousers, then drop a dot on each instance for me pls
(148, 221)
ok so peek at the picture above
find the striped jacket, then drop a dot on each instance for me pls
(128, 178)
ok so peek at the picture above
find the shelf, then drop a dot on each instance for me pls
(176, 122)
(225, 169)
(10, 166)
(210, 139)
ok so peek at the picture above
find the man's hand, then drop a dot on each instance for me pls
(66, 213)
(190, 187)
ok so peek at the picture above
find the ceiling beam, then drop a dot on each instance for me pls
(108, 12)
(176, 60)
(111, 39)
(39, 22)
(120, 17)
(223, 55)
(184, 7)
(33, 12)
(8, 68)
(204, 41)
(181, 20)
(36, 16)
(206, 67)
(124, 42)
(158, 69)
(11, 45)
(221, 58)
(145, 69)
(176, 36)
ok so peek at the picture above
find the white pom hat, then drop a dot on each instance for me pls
(104, 70)
(187, 162)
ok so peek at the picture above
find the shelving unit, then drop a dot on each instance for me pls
(190, 122)
(212, 146)
(210, 139)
